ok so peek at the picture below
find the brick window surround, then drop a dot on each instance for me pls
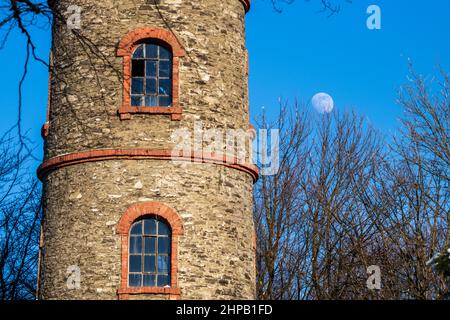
(133, 213)
(125, 50)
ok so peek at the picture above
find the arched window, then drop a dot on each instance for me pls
(149, 253)
(151, 76)
(151, 73)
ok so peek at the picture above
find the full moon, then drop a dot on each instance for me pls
(322, 102)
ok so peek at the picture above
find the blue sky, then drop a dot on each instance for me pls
(293, 55)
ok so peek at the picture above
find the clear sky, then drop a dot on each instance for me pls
(293, 55)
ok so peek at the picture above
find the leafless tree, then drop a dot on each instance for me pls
(20, 213)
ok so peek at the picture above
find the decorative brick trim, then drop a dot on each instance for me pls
(246, 4)
(144, 154)
(132, 214)
(125, 49)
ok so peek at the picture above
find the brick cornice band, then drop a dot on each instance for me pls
(144, 154)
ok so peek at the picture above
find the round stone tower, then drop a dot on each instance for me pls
(113, 158)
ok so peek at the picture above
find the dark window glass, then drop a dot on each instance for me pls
(137, 228)
(150, 226)
(138, 53)
(135, 245)
(150, 245)
(137, 86)
(164, 54)
(149, 280)
(163, 245)
(149, 253)
(136, 101)
(135, 280)
(151, 51)
(135, 263)
(163, 280)
(137, 68)
(165, 87)
(150, 86)
(150, 69)
(151, 76)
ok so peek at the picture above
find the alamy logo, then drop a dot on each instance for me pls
(73, 14)
(374, 280)
(231, 146)
(374, 20)
(74, 277)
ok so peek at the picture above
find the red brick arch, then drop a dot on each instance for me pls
(134, 213)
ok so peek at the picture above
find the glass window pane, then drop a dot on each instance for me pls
(135, 263)
(150, 227)
(164, 53)
(137, 68)
(149, 264)
(136, 101)
(150, 245)
(165, 87)
(165, 69)
(151, 101)
(163, 229)
(135, 244)
(137, 228)
(149, 280)
(137, 85)
(139, 52)
(163, 264)
(150, 87)
(150, 68)
(163, 280)
(134, 280)
(151, 51)
(163, 244)
(165, 101)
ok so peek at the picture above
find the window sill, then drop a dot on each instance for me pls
(125, 112)
(174, 292)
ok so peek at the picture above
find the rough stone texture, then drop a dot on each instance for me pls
(83, 203)
(213, 85)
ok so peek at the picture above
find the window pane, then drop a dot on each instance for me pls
(150, 245)
(165, 69)
(136, 245)
(134, 280)
(163, 229)
(149, 264)
(163, 245)
(150, 87)
(139, 52)
(164, 53)
(163, 264)
(135, 263)
(149, 280)
(137, 68)
(136, 101)
(163, 280)
(150, 68)
(150, 226)
(137, 228)
(165, 87)
(151, 101)
(165, 101)
(137, 85)
(151, 51)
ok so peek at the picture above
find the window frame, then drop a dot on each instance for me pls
(138, 212)
(126, 48)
